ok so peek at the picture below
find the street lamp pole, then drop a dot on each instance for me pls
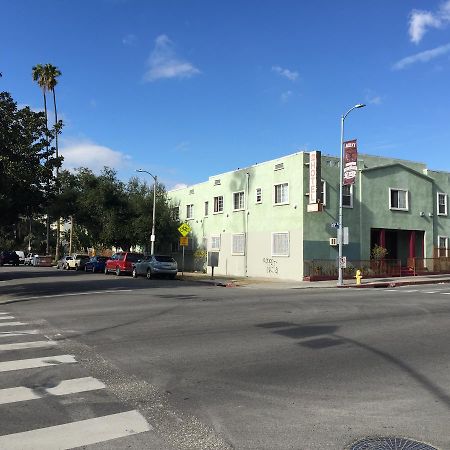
(341, 181)
(152, 238)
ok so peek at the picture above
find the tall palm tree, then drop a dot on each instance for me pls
(51, 73)
(39, 75)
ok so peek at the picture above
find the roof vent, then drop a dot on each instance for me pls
(279, 166)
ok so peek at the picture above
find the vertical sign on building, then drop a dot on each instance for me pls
(315, 177)
(350, 162)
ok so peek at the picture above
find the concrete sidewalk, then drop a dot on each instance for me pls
(271, 283)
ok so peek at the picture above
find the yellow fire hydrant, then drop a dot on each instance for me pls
(358, 276)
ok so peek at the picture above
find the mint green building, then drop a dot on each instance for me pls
(261, 222)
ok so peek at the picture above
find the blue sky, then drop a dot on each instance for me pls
(189, 89)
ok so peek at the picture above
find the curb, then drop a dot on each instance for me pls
(384, 284)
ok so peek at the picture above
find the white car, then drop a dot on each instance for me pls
(21, 255)
(28, 261)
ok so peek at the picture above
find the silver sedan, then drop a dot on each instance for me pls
(156, 265)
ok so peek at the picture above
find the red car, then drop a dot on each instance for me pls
(122, 262)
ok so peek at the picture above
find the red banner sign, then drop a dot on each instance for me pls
(350, 162)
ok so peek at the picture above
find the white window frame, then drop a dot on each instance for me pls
(395, 208)
(351, 196)
(206, 208)
(241, 208)
(324, 192)
(258, 194)
(190, 208)
(272, 243)
(286, 202)
(238, 251)
(446, 245)
(218, 211)
(214, 239)
(439, 194)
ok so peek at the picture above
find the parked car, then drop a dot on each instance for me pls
(77, 262)
(156, 265)
(122, 262)
(63, 263)
(42, 261)
(96, 264)
(7, 257)
(21, 255)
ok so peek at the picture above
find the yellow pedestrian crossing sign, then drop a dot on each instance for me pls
(184, 229)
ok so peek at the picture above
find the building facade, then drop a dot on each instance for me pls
(261, 222)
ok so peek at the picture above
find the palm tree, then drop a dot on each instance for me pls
(51, 73)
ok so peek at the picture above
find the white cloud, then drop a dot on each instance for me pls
(129, 39)
(182, 146)
(372, 98)
(84, 153)
(422, 57)
(179, 186)
(290, 75)
(285, 96)
(420, 21)
(164, 63)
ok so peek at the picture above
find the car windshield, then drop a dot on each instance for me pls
(161, 258)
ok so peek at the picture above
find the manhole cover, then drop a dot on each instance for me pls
(390, 443)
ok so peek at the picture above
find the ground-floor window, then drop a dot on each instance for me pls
(215, 242)
(238, 244)
(443, 246)
(280, 244)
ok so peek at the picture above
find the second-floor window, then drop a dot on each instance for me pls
(442, 204)
(281, 194)
(189, 211)
(238, 200)
(398, 199)
(347, 196)
(206, 208)
(258, 194)
(218, 204)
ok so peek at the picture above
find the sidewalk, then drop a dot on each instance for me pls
(271, 283)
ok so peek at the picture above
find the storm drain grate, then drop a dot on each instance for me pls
(390, 443)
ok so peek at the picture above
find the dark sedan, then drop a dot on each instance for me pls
(96, 264)
(156, 265)
(9, 258)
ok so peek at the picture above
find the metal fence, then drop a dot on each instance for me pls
(423, 266)
(323, 269)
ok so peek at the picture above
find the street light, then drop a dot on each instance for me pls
(341, 181)
(152, 237)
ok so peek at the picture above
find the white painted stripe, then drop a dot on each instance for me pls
(410, 290)
(24, 345)
(18, 333)
(77, 434)
(6, 317)
(20, 364)
(3, 313)
(391, 290)
(445, 293)
(65, 387)
(429, 292)
(111, 291)
(11, 324)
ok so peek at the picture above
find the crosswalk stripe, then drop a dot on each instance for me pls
(65, 387)
(71, 294)
(20, 364)
(24, 345)
(6, 317)
(11, 324)
(445, 293)
(18, 333)
(3, 313)
(77, 434)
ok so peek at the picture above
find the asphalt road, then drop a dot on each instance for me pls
(183, 365)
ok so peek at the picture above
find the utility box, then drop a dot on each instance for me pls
(213, 259)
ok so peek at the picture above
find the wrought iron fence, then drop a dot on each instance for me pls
(422, 266)
(320, 269)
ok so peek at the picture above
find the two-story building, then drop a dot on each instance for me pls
(261, 221)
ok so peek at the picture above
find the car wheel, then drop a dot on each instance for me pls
(172, 277)
(118, 271)
(149, 274)
(134, 273)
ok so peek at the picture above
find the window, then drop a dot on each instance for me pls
(347, 196)
(324, 193)
(206, 208)
(176, 212)
(238, 244)
(218, 204)
(238, 201)
(281, 194)
(258, 193)
(189, 211)
(215, 242)
(441, 204)
(443, 246)
(398, 199)
(280, 244)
